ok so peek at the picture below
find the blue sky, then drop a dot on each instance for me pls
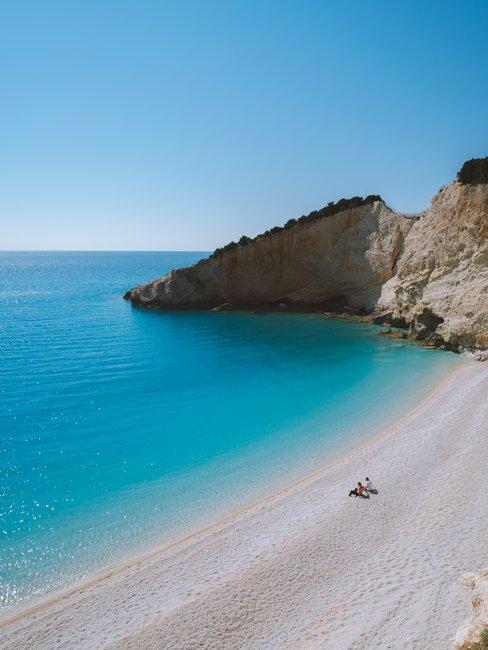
(183, 125)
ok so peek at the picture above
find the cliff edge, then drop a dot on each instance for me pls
(440, 288)
(428, 273)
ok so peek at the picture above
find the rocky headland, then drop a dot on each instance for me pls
(473, 634)
(427, 273)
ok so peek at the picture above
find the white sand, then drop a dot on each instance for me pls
(310, 567)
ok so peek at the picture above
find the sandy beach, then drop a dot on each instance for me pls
(308, 566)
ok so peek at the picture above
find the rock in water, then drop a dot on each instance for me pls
(226, 306)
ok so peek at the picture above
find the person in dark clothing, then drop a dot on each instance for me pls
(358, 491)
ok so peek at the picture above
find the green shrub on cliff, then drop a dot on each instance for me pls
(244, 240)
(482, 643)
(484, 639)
(227, 247)
(474, 172)
(275, 230)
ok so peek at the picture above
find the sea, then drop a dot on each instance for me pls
(124, 429)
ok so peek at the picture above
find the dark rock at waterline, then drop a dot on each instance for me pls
(393, 334)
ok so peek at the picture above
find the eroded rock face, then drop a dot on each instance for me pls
(342, 260)
(428, 274)
(440, 288)
(469, 633)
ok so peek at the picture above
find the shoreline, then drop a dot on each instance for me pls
(115, 570)
(53, 604)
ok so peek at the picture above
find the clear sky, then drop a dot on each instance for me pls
(183, 125)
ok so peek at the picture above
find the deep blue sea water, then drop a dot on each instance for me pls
(122, 429)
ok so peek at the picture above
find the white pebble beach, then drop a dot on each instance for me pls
(309, 566)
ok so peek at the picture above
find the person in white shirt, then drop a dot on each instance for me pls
(369, 484)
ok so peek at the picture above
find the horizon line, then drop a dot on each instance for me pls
(100, 250)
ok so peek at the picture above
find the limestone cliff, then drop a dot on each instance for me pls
(440, 288)
(344, 258)
(429, 273)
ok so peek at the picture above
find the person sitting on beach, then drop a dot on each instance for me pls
(359, 491)
(369, 486)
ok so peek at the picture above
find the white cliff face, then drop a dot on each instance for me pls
(429, 274)
(345, 258)
(441, 281)
(469, 633)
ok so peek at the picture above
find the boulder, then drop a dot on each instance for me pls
(468, 635)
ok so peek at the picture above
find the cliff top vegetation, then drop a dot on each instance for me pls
(327, 211)
(474, 172)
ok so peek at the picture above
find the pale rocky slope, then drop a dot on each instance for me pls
(469, 634)
(345, 258)
(441, 283)
(429, 274)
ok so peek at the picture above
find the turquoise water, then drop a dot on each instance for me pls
(122, 428)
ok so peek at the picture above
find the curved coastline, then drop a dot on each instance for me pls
(302, 481)
(53, 605)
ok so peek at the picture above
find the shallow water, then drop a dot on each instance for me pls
(122, 428)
